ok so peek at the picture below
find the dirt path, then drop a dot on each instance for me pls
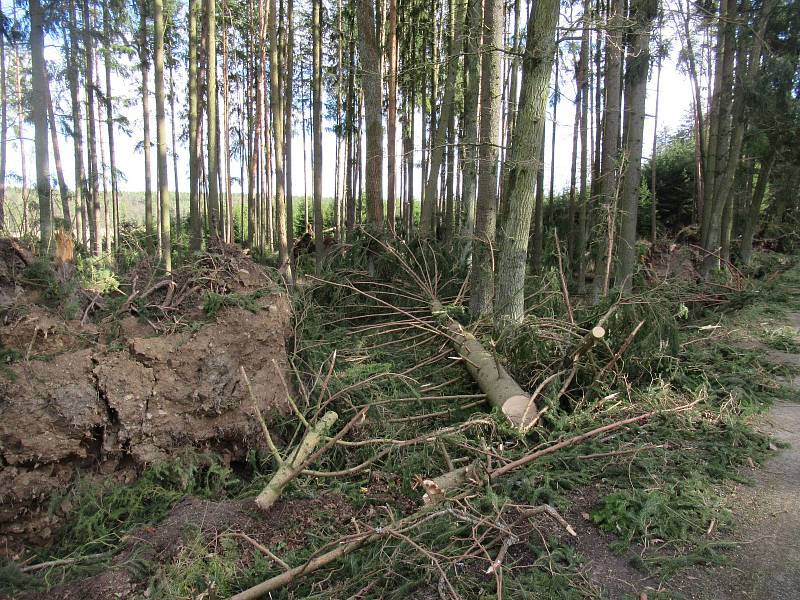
(766, 563)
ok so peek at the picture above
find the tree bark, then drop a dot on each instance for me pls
(112, 151)
(643, 12)
(77, 125)
(391, 122)
(93, 198)
(611, 126)
(149, 219)
(276, 106)
(161, 133)
(754, 209)
(39, 118)
(316, 24)
(524, 160)
(482, 279)
(195, 223)
(62, 183)
(470, 138)
(3, 132)
(211, 114)
(373, 102)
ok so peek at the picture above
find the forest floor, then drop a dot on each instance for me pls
(695, 504)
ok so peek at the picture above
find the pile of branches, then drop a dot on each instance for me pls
(165, 301)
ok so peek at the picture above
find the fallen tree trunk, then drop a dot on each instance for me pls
(500, 388)
(292, 466)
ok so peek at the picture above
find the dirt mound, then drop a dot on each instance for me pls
(72, 404)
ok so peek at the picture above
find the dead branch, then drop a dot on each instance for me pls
(293, 466)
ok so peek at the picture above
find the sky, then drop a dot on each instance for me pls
(675, 102)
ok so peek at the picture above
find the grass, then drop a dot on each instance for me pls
(658, 495)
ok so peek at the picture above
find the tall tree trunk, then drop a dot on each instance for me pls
(226, 150)
(62, 183)
(161, 132)
(276, 107)
(39, 118)
(653, 161)
(439, 135)
(112, 151)
(3, 132)
(195, 222)
(391, 122)
(288, 113)
(643, 12)
(77, 124)
(144, 60)
(173, 117)
(482, 279)
(471, 97)
(93, 197)
(611, 126)
(211, 114)
(373, 102)
(731, 113)
(316, 25)
(524, 158)
(583, 197)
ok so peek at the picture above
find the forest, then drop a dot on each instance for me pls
(399, 299)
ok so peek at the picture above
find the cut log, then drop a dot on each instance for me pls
(500, 388)
(296, 462)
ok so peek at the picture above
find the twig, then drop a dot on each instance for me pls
(266, 551)
(62, 562)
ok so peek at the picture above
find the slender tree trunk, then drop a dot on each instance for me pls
(610, 158)
(211, 114)
(173, 119)
(93, 197)
(653, 161)
(276, 107)
(161, 132)
(288, 114)
(62, 183)
(77, 125)
(391, 123)
(572, 203)
(112, 151)
(471, 97)
(373, 102)
(39, 118)
(643, 12)
(583, 198)
(524, 158)
(482, 279)
(754, 210)
(144, 44)
(226, 149)
(538, 213)
(195, 222)
(439, 135)
(316, 26)
(3, 133)
(106, 238)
